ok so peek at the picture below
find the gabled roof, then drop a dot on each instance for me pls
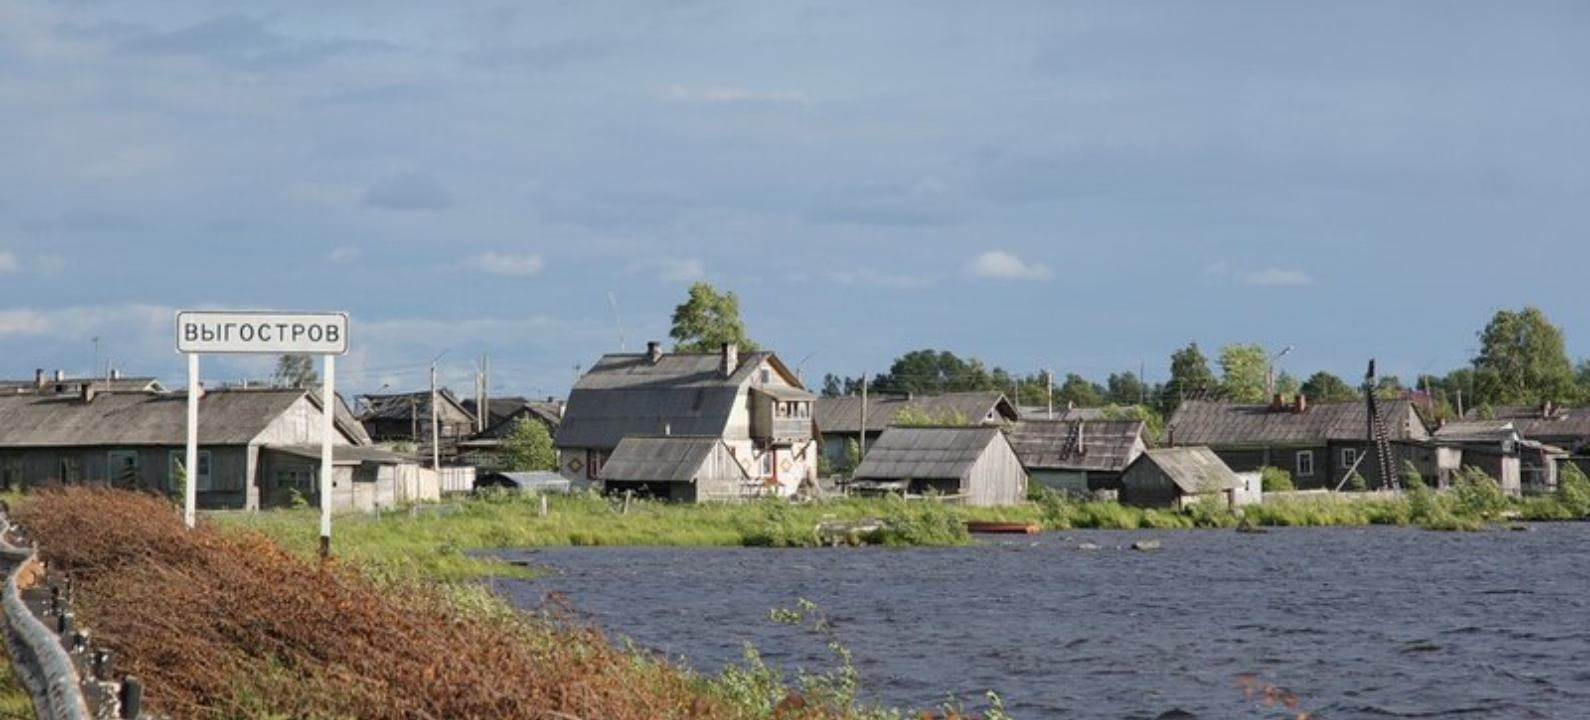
(669, 458)
(502, 411)
(843, 414)
(1223, 424)
(1193, 469)
(677, 394)
(226, 417)
(1569, 425)
(923, 453)
(1477, 431)
(401, 406)
(1100, 445)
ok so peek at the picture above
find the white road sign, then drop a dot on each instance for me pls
(222, 331)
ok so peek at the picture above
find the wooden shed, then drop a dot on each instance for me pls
(971, 465)
(678, 468)
(1178, 477)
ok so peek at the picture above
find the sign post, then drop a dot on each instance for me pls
(274, 333)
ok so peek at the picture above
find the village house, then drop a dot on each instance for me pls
(257, 448)
(58, 383)
(1083, 457)
(1564, 427)
(406, 418)
(751, 402)
(1320, 444)
(679, 469)
(485, 448)
(1518, 464)
(843, 419)
(1179, 477)
(966, 465)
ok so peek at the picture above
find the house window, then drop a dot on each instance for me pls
(1305, 463)
(296, 478)
(767, 375)
(121, 468)
(177, 457)
(71, 469)
(593, 468)
(11, 473)
(1349, 457)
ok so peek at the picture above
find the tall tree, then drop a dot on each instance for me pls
(1078, 391)
(931, 372)
(529, 447)
(1244, 373)
(708, 319)
(1125, 388)
(1523, 361)
(1189, 377)
(1325, 387)
(294, 371)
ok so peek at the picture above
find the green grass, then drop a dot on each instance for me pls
(15, 703)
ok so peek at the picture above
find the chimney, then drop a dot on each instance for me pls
(731, 359)
(115, 373)
(60, 375)
(38, 378)
(654, 352)
(1301, 404)
(85, 392)
(1276, 403)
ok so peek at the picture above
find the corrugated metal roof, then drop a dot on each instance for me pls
(226, 417)
(679, 394)
(926, 453)
(1193, 469)
(660, 459)
(1105, 445)
(843, 414)
(1202, 422)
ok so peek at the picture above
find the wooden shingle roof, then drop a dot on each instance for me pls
(226, 417)
(843, 414)
(668, 458)
(923, 453)
(677, 394)
(1193, 469)
(1223, 424)
(1103, 445)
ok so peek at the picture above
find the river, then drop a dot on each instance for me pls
(1332, 622)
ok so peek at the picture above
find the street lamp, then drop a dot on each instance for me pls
(1269, 371)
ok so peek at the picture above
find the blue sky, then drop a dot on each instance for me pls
(1085, 186)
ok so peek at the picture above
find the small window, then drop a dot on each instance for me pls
(1305, 463)
(767, 375)
(71, 471)
(177, 458)
(1349, 457)
(121, 467)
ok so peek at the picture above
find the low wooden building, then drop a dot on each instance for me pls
(256, 447)
(845, 420)
(1078, 456)
(678, 468)
(970, 465)
(486, 448)
(406, 418)
(1179, 477)
(1518, 464)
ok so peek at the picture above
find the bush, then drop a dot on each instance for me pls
(1573, 491)
(1478, 495)
(1274, 479)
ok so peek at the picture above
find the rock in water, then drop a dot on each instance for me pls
(1176, 714)
(1146, 545)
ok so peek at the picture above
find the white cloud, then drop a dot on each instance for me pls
(682, 270)
(344, 254)
(501, 264)
(1277, 277)
(1000, 264)
(21, 322)
(8, 262)
(732, 96)
(873, 278)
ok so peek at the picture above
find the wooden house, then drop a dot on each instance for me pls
(1518, 464)
(1320, 444)
(1078, 456)
(679, 469)
(752, 402)
(484, 448)
(406, 418)
(843, 420)
(970, 465)
(256, 447)
(1179, 477)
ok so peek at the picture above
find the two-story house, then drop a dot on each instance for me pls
(751, 402)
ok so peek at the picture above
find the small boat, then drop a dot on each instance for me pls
(994, 526)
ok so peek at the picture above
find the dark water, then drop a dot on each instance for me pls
(1344, 622)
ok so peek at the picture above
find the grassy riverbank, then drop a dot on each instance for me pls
(229, 625)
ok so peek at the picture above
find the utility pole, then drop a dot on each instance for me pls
(436, 433)
(1048, 375)
(862, 443)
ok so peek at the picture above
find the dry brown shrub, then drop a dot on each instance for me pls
(232, 626)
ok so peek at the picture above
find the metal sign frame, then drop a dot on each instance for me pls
(201, 332)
